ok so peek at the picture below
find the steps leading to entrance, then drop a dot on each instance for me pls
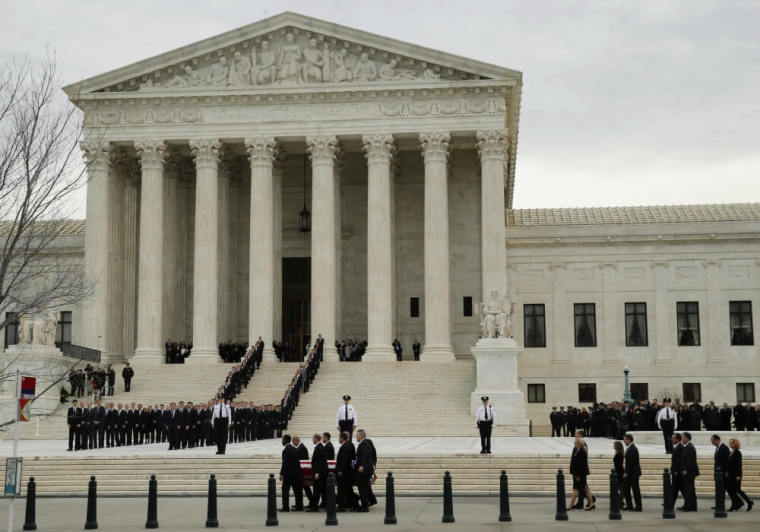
(393, 398)
(269, 383)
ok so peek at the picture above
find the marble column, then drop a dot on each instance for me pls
(205, 258)
(95, 312)
(151, 260)
(492, 146)
(116, 189)
(380, 283)
(337, 171)
(435, 150)
(277, 170)
(323, 151)
(261, 152)
(131, 247)
(225, 313)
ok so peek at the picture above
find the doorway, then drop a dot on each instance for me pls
(296, 307)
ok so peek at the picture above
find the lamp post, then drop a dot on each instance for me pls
(627, 387)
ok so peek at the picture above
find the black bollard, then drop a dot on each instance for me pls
(504, 516)
(667, 497)
(92, 505)
(448, 502)
(152, 521)
(272, 501)
(390, 500)
(614, 498)
(331, 519)
(211, 519)
(31, 506)
(561, 514)
(720, 494)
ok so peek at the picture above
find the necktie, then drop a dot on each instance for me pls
(486, 409)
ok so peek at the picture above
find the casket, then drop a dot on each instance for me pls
(307, 479)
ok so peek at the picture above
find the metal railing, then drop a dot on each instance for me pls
(81, 353)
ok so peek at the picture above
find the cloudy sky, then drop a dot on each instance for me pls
(625, 103)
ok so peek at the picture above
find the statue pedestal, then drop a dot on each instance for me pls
(496, 363)
(46, 363)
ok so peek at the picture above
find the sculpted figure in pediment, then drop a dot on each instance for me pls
(219, 72)
(313, 62)
(240, 71)
(340, 70)
(265, 71)
(187, 78)
(365, 69)
(390, 71)
(289, 63)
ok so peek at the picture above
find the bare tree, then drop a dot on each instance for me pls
(40, 171)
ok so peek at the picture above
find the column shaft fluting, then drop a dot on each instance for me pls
(151, 263)
(435, 148)
(380, 285)
(205, 260)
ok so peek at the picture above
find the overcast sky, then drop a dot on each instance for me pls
(624, 103)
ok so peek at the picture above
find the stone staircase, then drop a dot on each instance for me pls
(269, 383)
(471, 475)
(393, 398)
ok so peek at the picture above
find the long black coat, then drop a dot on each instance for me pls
(291, 466)
(579, 463)
(329, 451)
(346, 453)
(632, 464)
(319, 461)
(688, 460)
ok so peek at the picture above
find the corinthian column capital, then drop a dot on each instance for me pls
(323, 148)
(96, 154)
(206, 152)
(492, 143)
(435, 145)
(378, 148)
(261, 150)
(152, 153)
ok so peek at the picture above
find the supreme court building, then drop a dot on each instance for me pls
(205, 160)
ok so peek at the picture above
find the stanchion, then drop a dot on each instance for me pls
(448, 502)
(614, 498)
(30, 520)
(272, 501)
(504, 515)
(390, 500)
(667, 497)
(561, 514)
(720, 494)
(92, 505)
(152, 521)
(211, 519)
(331, 519)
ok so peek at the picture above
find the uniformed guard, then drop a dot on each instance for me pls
(346, 417)
(484, 422)
(220, 418)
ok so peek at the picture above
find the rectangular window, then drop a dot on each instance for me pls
(745, 392)
(467, 305)
(636, 325)
(585, 324)
(414, 307)
(587, 393)
(63, 330)
(11, 328)
(536, 393)
(687, 315)
(741, 323)
(639, 391)
(534, 323)
(692, 391)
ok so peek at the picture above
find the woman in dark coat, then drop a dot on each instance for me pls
(734, 480)
(579, 470)
(617, 461)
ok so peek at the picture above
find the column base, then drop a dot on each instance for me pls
(437, 353)
(268, 354)
(147, 356)
(204, 355)
(379, 352)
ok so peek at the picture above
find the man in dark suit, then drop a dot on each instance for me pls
(290, 475)
(319, 472)
(303, 454)
(631, 474)
(416, 348)
(722, 452)
(556, 422)
(176, 421)
(72, 419)
(366, 458)
(344, 471)
(329, 449)
(99, 423)
(127, 373)
(675, 468)
(122, 422)
(398, 349)
(689, 472)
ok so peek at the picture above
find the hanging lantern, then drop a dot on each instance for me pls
(304, 217)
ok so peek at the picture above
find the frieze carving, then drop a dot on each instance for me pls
(291, 57)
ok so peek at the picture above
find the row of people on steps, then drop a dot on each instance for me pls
(177, 352)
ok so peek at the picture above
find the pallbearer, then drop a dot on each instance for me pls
(346, 418)
(484, 422)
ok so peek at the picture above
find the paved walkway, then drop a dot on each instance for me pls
(413, 513)
(438, 446)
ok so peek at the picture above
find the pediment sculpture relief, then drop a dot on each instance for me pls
(295, 60)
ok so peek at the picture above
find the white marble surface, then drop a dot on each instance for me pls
(388, 447)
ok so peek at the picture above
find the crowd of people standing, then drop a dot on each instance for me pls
(177, 352)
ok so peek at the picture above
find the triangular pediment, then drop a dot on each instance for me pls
(290, 50)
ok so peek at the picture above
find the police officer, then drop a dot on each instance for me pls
(346, 417)
(484, 422)
(220, 419)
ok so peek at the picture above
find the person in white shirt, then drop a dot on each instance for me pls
(220, 420)
(667, 422)
(484, 422)
(346, 418)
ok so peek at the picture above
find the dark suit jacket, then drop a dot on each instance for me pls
(689, 460)
(329, 451)
(346, 453)
(291, 466)
(72, 416)
(365, 457)
(303, 452)
(735, 464)
(617, 461)
(675, 458)
(319, 461)
(632, 464)
(722, 453)
(579, 463)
